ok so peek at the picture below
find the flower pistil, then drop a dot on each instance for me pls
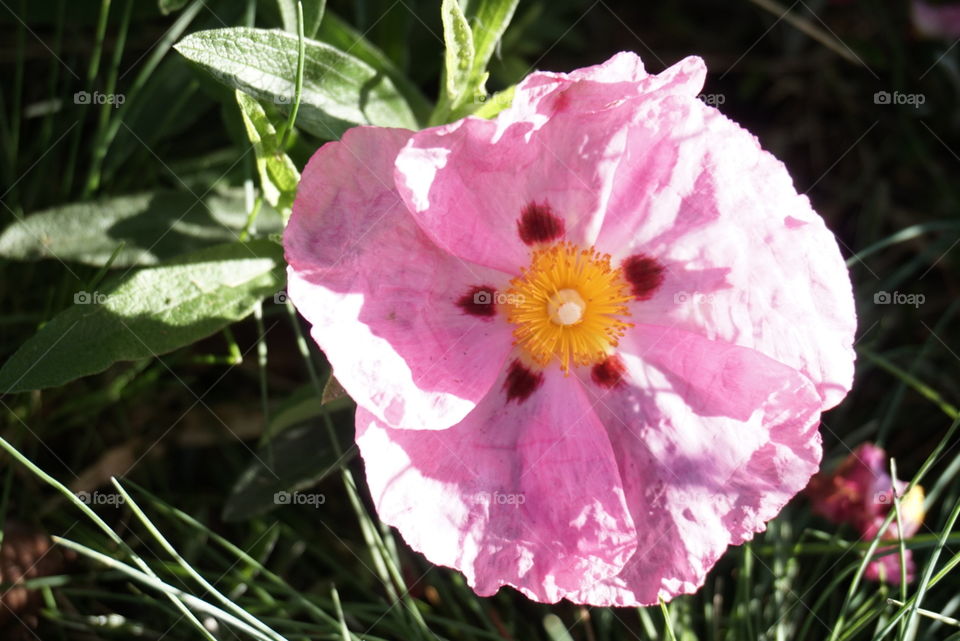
(570, 304)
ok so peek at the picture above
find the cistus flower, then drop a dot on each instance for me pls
(860, 492)
(589, 340)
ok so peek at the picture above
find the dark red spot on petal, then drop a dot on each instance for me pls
(538, 224)
(644, 274)
(521, 382)
(479, 301)
(609, 373)
(561, 101)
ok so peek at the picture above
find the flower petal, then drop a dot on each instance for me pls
(366, 277)
(591, 88)
(746, 260)
(490, 180)
(490, 172)
(861, 492)
(712, 440)
(524, 494)
(886, 568)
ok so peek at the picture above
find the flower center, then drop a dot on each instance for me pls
(569, 304)
(566, 307)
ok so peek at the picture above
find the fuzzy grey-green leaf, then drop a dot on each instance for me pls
(338, 33)
(278, 175)
(339, 90)
(489, 22)
(152, 226)
(459, 54)
(153, 311)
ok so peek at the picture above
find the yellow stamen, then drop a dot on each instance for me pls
(568, 304)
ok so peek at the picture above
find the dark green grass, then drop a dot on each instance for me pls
(883, 176)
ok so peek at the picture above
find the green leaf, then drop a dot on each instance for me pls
(468, 52)
(338, 33)
(304, 405)
(492, 105)
(297, 459)
(339, 90)
(278, 175)
(153, 226)
(297, 455)
(489, 23)
(170, 6)
(459, 54)
(153, 311)
(313, 11)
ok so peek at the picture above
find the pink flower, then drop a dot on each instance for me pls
(886, 568)
(860, 492)
(589, 340)
(936, 20)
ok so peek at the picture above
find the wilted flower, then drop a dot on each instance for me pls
(589, 340)
(861, 492)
